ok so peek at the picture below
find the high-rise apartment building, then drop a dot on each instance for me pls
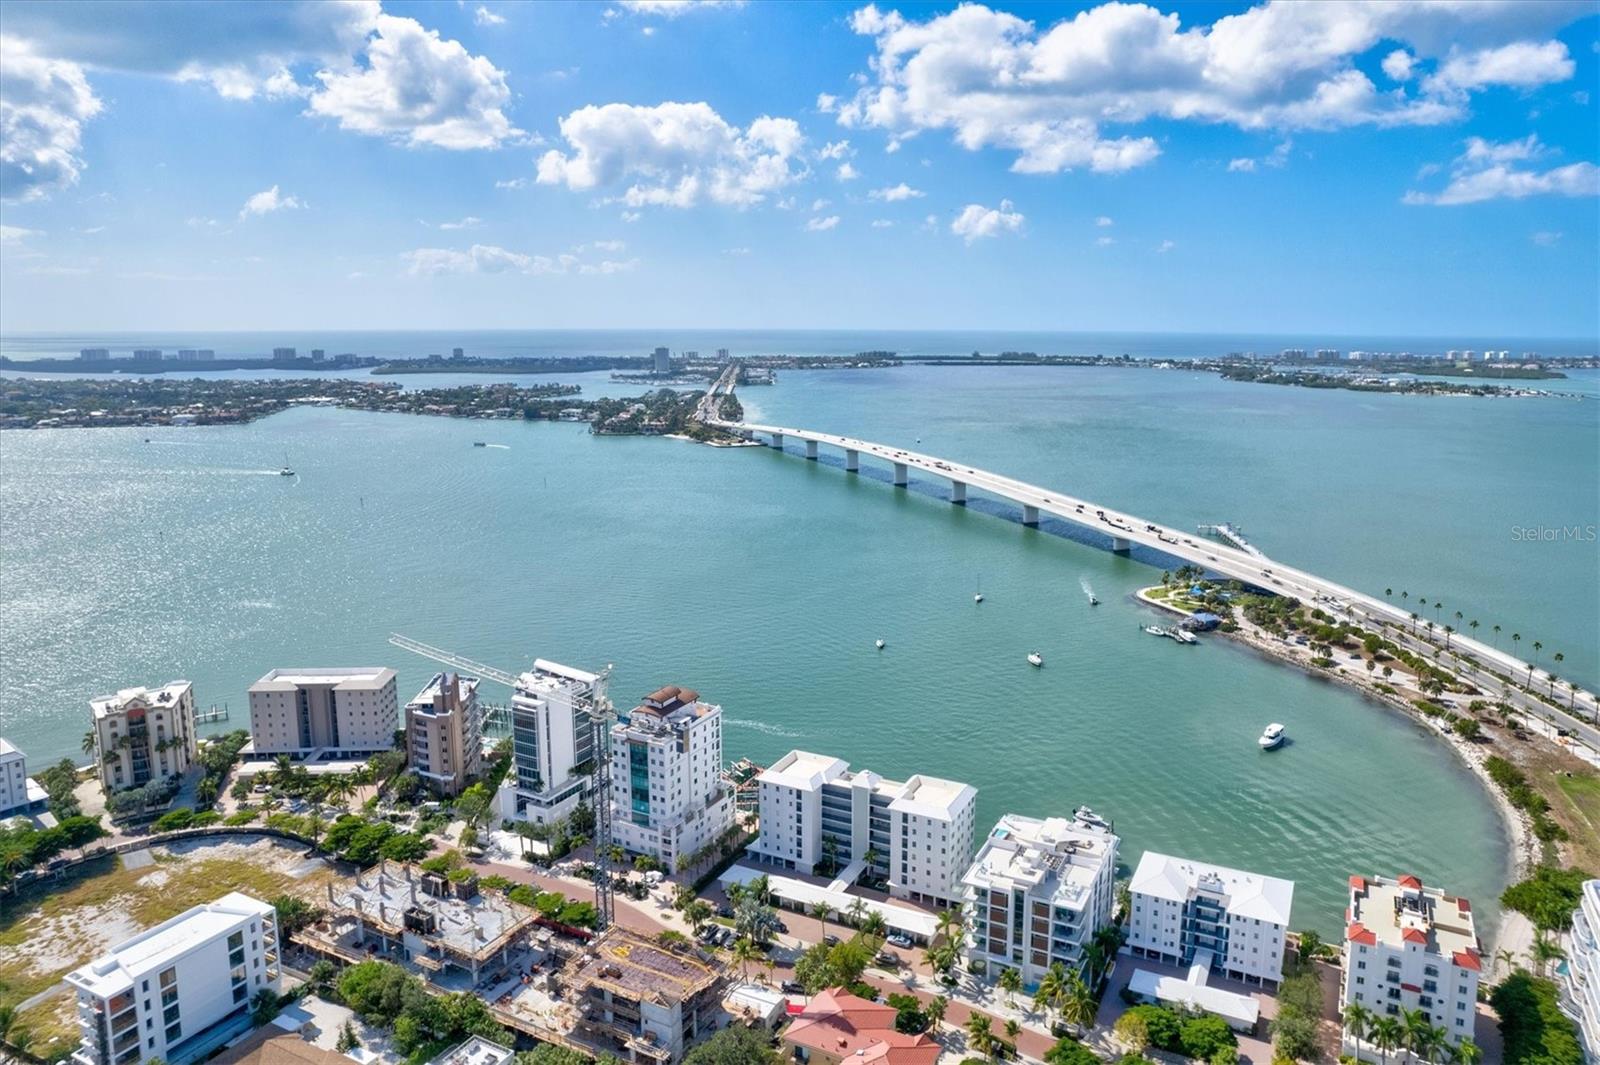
(667, 795)
(1410, 947)
(181, 989)
(347, 712)
(19, 794)
(818, 814)
(1580, 985)
(1039, 890)
(143, 734)
(1237, 921)
(444, 733)
(552, 742)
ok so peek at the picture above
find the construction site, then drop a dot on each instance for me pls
(640, 999)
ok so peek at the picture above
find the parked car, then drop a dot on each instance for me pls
(790, 987)
(887, 959)
(897, 939)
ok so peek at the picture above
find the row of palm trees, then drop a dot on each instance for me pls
(1411, 1033)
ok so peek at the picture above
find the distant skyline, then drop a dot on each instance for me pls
(1415, 168)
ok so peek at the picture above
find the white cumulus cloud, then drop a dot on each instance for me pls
(267, 201)
(835, 150)
(674, 8)
(896, 193)
(484, 17)
(1103, 221)
(1490, 170)
(492, 259)
(1245, 165)
(674, 155)
(846, 172)
(976, 221)
(43, 106)
(1049, 94)
(469, 222)
(818, 225)
(13, 236)
(418, 89)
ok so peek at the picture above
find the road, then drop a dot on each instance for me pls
(1251, 567)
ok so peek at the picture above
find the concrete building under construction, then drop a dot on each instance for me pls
(400, 913)
(641, 1000)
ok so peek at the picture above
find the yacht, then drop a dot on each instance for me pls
(1035, 658)
(1155, 630)
(1183, 636)
(286, 472)
(1272, 737)
(1093, 599)
(879, 645)
(1089, 817)
(977, 597)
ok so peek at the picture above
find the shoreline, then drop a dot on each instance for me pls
(1525, 848)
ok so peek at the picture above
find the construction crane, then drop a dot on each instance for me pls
(601, 717)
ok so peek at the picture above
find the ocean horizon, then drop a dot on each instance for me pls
(556, 343)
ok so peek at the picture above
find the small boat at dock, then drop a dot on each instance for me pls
(1183, 636)
(1272, 737)
(1035, 658)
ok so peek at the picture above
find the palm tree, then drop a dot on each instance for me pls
(697, 913)
(1497, 636)
(1545, 950)
(1013, 1026)
(1468, 1052)
(1413, 623)
(1504, 958)
(1357, 1021)
(1078, 1005)
(745, 952)
(1414, 1030)
(1386, 1036)
(1388, 593)
(88, 742)
(1473, 625)
(857, 910)
(820, 910)
(1010, 982)
(874, 924)
(1449, 630)
(980, 1035)
(935, 1009)
(1052, 988)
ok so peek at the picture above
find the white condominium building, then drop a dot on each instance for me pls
(667, 796)
(1039, 890)
(1237, 920)
(819, 816)
(552, 742)
(19, 794)
(179, 990)
(1580, 989)
(444, 733)
(350, 712)
(1409, 947)
(143, 734)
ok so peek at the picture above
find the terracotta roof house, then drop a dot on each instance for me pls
(837, 1026)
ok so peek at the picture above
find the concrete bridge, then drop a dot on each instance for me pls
(1124, 531)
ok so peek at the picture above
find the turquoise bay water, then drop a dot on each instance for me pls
(762, 580)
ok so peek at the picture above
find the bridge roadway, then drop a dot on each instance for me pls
(1125, 530)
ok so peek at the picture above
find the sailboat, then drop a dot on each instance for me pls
(977, 596)
(286, 471)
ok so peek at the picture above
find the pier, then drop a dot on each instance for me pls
(1122, 532)
(1232, 535)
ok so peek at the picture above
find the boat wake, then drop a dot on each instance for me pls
(1088, 590)
(502, 447)
(761, 726)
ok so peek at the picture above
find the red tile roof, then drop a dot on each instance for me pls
(1410, 881)
(1360, 933)
(846, 1026)
(1414, 935)
(1468, 960)
(1359, 883)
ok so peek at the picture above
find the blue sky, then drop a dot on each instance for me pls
(1355, 168)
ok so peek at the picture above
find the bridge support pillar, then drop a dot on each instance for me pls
(1121, 545)
(901, 477)
(1030, 515)
(777, 441)
(811, 450)
(958, 493)
(852, 460)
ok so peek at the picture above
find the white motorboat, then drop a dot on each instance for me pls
(1183, 636)
(1035, 658)
(1272, 737)
(1155, 630)
(1093, 601)
(286, 472)
(977, 597)
(879, 645)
